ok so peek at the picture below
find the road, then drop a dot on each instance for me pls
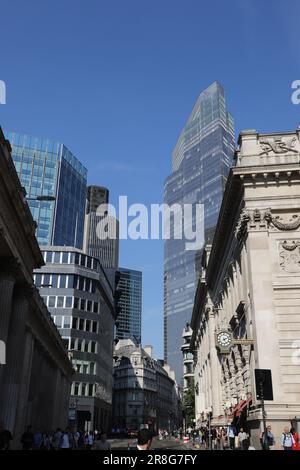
(171, 444)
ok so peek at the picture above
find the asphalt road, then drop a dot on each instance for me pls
(171, 444)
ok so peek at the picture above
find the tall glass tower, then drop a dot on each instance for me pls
(48, 168)
(201, 161)
(129, 321)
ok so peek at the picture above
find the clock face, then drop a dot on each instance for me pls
(224, 339)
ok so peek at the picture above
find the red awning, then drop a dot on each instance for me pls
(242, 405)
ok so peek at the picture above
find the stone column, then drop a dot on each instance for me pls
(22, 408)
(7, 282)
(15, 357)
(215, 365)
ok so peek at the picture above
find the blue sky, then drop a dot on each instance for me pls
(115, 81)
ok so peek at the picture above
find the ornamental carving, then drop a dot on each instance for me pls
(292, 224)
(278, 145)
(289, 254)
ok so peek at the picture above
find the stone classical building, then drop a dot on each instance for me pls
(35, 373)
(246, 312)
(80, 298)
(145, 391)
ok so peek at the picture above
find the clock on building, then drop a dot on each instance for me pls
(224, 340)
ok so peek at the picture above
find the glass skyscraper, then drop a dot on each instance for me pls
(129, 321)
(48, 168)
(201, 161)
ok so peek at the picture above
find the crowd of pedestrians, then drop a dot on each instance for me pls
(56, 440)
(233, 438)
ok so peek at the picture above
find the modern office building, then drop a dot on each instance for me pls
(201, 161)
(49, 170)
(80, 299)
(105, 247)
(129, 321)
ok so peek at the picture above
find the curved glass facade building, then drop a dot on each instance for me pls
(201, 161)
(48, 168)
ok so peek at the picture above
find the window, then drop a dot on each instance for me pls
(70, 278)
(82, 304)
(86, 346)
(38, 280)
(91, 390)
(95, 307)
(56, 258)
(81, 324)
(89, 306)
(68, 302)
(93, 347)
(95, 324)
(79, 345)
(63, 281)
(92, 368)
(76, 388)
(60, 301)
(67, 322)
(74, 323)
(72, 344)
(48, 256)
(76, 302)
(58, 321)
(46, 280)
(65, 257)
(88, 285)
(51, 301)
(83, 389)
(87, 325)
(54, 280)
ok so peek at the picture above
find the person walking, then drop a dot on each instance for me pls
(231, 433)
(243, 437)
(56, 439)
(27, 439)
(5, 437)
(287, 440)
(89, 441)
(65, 441)
(296, 439)
(144, 439)
(267, 439)
(101, 443)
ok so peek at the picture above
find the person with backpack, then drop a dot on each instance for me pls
(287, 439)
(267, 439)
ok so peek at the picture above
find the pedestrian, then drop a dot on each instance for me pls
(287, 440)
(243, 439)
(56, 439)
(65, 440)
(27, 439)
(101, 443)
(267, 439)
(37, 440)
(5, 437)
(89, 441)
(231, 433)
(144, 439)
(296, 439)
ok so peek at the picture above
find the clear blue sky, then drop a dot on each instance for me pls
(116, 80)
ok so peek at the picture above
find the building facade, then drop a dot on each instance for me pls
(129, 322)
(188, 359)
(49, 169)
(79, 296)
(145, 391)
(246, 308)
(105, 248)
(201, 161)
(35, 372)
